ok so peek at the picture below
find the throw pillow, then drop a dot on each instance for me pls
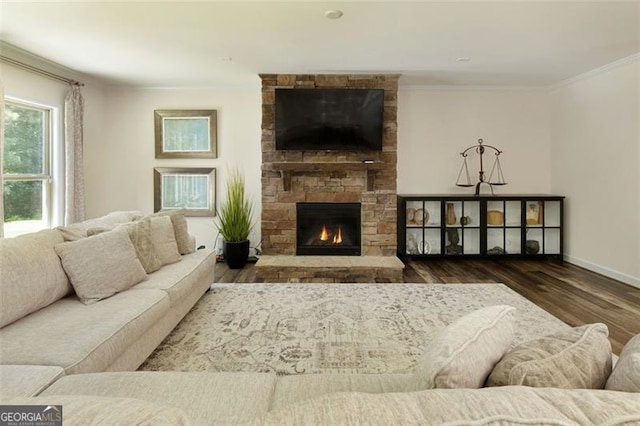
(625, 377)
(79, 230)
(101, 266)
(95, 231)
(140, 235)
(164, 240)
(579, 358)
(180, 229)
(31, 276)
(463, 354)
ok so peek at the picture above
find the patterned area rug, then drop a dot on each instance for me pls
(328, 328)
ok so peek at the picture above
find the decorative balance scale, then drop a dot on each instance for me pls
(480, 148)
(452, 233)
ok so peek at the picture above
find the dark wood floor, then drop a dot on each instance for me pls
(573, 294)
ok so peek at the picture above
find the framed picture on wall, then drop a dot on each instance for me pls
(186, 133)
(193, 189)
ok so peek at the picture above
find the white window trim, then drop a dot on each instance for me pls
(54, 175)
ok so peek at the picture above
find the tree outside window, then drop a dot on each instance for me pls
(27, 175)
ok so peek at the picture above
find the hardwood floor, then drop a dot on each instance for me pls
(573, 294)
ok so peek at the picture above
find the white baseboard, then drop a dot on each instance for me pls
(607, 272)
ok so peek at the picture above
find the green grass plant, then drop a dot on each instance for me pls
(235, 217)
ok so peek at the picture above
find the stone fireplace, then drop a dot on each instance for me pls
(367, 178)
(328, 229)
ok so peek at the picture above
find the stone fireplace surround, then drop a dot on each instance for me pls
(368, 178)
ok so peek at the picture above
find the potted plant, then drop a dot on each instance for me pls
(235, 221)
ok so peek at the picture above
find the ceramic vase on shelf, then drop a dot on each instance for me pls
(451, 214)
(532, 246)
(412, 245)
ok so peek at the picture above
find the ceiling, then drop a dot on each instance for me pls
(217, 43)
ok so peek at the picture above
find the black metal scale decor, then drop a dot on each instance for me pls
(480, 149)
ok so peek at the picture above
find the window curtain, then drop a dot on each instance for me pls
(1, 159)
(74, 170)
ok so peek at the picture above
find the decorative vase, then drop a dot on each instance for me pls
(235, 253)
(532, 246)
(451, 214)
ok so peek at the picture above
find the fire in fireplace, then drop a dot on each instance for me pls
(328, 229)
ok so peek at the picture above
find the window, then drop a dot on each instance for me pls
(27, 168)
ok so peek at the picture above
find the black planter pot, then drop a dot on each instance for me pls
(235, 253)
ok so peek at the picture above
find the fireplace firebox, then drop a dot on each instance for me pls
(328, 229)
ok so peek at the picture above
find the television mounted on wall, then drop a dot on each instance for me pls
(329, 119)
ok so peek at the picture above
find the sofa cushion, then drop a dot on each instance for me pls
(102, 265)
(463, 354)
(208, 398)
(140, 235)
(27, 380)
(31, 275)
(82, 338)
(79, 230)
(179, 279)
(294, 388)
(180, 229)
(579, 358)
(625, 376)
(489, 406)
(164, 240)
(80, 410)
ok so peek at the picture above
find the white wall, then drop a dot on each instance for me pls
(119, 165)
(595, 161)
(435, 125)
(35, 88)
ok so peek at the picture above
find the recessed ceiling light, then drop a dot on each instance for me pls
(226, 59)
(333, 14)
(463, 59)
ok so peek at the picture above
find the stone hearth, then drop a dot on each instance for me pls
(367, 177)
(330, 269)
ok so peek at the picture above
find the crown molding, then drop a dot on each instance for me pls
(20, 55)
(596, 71)
(452, 88)
(246, 87)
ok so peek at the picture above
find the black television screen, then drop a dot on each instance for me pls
(329, 119)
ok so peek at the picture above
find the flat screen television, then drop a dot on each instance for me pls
(329, 119)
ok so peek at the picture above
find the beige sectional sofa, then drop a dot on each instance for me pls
(44, 323)
(78, 355)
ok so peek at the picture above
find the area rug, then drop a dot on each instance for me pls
(329, 328)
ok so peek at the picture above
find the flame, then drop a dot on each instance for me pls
(324, 235)
(337, 239)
